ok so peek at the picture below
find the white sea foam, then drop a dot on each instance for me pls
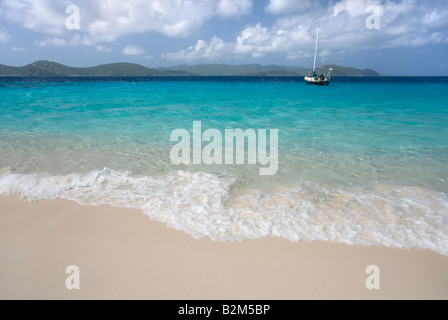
(206, 205)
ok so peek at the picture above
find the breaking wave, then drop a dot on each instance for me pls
(208, 205)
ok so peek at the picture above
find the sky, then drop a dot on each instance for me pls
(397, 37)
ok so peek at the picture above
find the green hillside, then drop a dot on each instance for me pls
(350, 71)
(48, 69)
(259, 70)
(236, 70)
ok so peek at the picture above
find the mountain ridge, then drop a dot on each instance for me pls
(44, 68)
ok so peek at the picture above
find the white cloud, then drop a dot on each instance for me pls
(133, 51)
(353, 8)
(4, 37)
(215, 49)
(41, 16)
(408, 23)
(114, 18)
(75, 40)
(107, 20)
(232, 8)
(102, 49)
(257, 41)
(52, 42)
(17, 49)
(404, 23)
(288, 6)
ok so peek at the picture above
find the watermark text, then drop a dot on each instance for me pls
(373, 21)
(235, 149)
(73, 280)
(73, 21)
(373, 280)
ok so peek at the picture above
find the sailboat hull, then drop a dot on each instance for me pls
(316, 82)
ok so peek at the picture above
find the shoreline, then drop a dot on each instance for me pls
(123, 254)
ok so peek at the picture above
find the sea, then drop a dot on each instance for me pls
(363, 161)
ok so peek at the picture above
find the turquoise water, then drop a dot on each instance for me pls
(362, 161)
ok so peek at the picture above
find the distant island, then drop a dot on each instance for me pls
(53, 69)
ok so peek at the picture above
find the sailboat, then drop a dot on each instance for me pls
(318, 79)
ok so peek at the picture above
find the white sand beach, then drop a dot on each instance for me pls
(122, 254)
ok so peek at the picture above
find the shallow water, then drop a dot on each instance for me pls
(362, 161)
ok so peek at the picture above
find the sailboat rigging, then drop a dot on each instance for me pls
(318, 79)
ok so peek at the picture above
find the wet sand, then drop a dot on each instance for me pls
(122, 254)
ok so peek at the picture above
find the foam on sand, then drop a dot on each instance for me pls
(208, 205)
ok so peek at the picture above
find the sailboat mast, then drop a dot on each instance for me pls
(315, 51)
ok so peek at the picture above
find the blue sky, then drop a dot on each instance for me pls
(406, 37)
